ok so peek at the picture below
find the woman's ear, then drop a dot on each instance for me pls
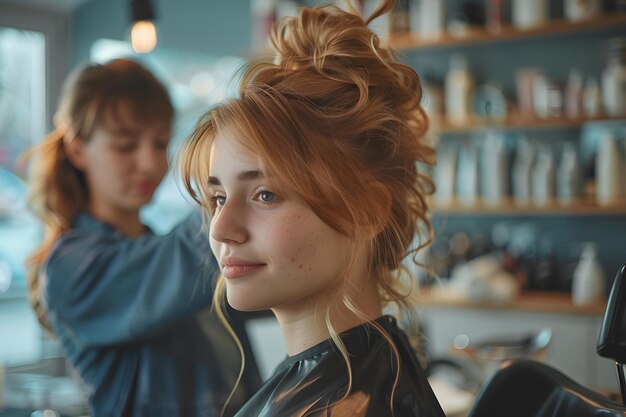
(74, 150)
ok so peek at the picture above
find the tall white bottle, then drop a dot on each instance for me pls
(568, 181)
(543, 178)
(428, 18)
(495, 170)
(609, 172)
(588, 279)
(614, 79)
(467, 176)
(522, 168)
(445, 175)
(529, 13)
(458, 88)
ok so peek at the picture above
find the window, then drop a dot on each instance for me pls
(22, 124)
(33, 60)
(22, 94)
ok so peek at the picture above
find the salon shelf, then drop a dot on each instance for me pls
(542, 302)
(521, 123)
(508, 208)
(507, 33)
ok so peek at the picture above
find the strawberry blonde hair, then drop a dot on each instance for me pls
(334, 113)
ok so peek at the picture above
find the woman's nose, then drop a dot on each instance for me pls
(228, 224)
(151, 160)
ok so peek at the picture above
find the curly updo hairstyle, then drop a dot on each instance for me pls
(331, 115)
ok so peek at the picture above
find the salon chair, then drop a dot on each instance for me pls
(525, 388)
(612, 339)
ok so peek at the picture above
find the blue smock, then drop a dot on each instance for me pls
(134, 320)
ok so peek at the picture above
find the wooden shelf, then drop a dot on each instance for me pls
(509, 208)
(519, 123)
(507, 33)
(542, 302)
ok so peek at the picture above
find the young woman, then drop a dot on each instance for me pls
(130, 307)
(311, 182)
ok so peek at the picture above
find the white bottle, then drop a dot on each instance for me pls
(609, 173)
(458, 88)
(541, 96)
(445, 175)
(576, 10)
(543, 178)
(529, 13)
(588, 279)
(495, 170)
(592, 99)
(522, 166)
(614, 79)
(467, 176)
(568, 176)
(427, 19)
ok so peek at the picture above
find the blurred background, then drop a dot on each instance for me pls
(527, 106)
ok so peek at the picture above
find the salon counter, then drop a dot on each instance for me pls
(546, 302)
(574, 328)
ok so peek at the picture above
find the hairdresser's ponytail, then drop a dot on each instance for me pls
(57, 193)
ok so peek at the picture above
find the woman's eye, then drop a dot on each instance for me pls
(124, 147)
(220, 200)
(267, 196)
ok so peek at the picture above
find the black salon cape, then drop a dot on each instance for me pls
(304, 384)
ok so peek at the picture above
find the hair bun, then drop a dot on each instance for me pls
(309, 39)
(328, 45)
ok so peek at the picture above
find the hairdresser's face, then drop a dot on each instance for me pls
(125, 160)
(274, 251)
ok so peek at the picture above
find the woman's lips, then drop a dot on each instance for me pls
(239, 268)
(146, 187)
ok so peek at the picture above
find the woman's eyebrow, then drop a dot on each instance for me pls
(241, 176)
(124, 133)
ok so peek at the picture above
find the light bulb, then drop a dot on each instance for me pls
(143, 36)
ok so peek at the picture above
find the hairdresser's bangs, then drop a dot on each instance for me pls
(144, 110)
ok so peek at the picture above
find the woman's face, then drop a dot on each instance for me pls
(273, 250)
(125, 160)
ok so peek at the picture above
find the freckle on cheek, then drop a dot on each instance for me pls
(300, 266)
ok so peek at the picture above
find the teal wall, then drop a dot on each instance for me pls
(198, 26)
